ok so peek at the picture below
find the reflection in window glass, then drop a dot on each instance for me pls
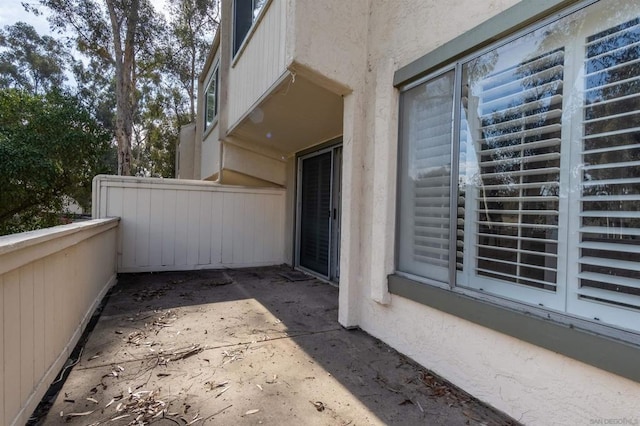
(424, 210)
(548, 193)
(246, 12)
(211, 99)
(513, 97)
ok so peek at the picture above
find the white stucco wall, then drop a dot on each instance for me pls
(534, 385)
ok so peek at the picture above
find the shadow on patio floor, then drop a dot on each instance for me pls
(246, 347)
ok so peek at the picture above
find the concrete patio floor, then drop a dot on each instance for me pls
(240, 347)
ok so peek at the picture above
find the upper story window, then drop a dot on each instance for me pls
(520, 169)
(211, 98)
(245, 13)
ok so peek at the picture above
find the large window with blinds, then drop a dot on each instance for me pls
(520, 168)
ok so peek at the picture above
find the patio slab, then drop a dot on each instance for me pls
(245, 347)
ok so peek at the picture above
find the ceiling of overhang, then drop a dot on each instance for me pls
(297, 115)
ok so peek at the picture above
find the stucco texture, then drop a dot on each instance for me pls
(534, 385)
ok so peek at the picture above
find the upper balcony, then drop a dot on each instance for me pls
(290, 69)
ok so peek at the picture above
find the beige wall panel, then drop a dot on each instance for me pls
(185, 166)
(51, 281)
(39, 362)
(253, 164)
(210, 153)
(264, 51)
(11, 324)
(27, 331)
(49, 311)
(2, 344)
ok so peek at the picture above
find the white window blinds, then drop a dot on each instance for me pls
(424, 218)
(548, 210)
(609, 244)
(518, 156)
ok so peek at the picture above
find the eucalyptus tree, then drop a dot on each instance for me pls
(118, 35)
(31, 62)
(192, 26)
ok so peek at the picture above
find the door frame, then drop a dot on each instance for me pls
(334, 231)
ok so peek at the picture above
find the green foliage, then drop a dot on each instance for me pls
(29, 61)
(138, 77)
(51, 148)
(191, 28)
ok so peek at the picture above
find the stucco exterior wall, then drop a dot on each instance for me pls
(186, 152)
(328, 37)
(534, 385)
(253, 164)
(210, 156)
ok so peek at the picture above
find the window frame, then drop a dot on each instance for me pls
(237, 49)
(214, 78)
(607, 346)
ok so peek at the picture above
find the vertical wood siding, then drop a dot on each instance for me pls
(169, 224)
(51, 281)
(261, 63)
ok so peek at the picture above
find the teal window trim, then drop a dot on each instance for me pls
(608, 348)
(570, 337)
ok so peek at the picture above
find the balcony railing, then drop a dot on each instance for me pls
(52, 280)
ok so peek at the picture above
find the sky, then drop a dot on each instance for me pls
(11, 11)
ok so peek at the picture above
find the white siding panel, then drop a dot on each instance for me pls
(205, 215)
(193, 228)
(39, 320)
(49, 309)
(11, 323)
(143, 219)
(155, 227)
(127, 224)
(227, 232)
(200, 224)
(237, 235)
(168, 227)
(26, 331)
(182, 227)
(260, 64)
(217, 219)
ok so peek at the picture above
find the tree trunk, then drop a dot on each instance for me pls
(125, 85)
